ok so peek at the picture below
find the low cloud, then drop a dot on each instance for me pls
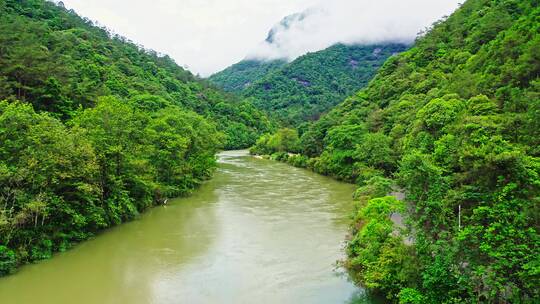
(350, 22)
(209, 35)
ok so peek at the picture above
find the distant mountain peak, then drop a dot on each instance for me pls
(285, 24)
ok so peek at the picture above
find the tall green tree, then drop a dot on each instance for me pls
(452, 122)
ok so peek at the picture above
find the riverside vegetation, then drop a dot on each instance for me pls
(454, 124)
(95, 129)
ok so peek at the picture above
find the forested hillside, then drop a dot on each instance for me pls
(58, 61)
(453, 123)
(442, 139)
(94, 130)
(312, 84)
(242, 74)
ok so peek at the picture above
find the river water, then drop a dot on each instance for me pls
(258, 232)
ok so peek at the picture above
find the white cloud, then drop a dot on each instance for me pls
(209, 35)
(347, 21)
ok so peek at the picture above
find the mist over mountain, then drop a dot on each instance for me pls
(350, 22)
(438, 132)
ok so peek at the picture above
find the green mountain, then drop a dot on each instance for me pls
(453, 124)
(58, 61)
(310, 85)
(242, 74)
(315, 82)
(94, 130)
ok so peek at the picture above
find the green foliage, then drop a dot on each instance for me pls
(375, 151)
(454, 121)
(378, 257)
(242, 74)
(94, 130)
(58, 61)
(284, 140)
(8, 260)
(48, 182)
(308, 86)
(438, 113)
(411, 296)
(297, 160)
(376, 186)
(60, 185)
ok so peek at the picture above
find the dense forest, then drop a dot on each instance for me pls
(442, 139)
(58, 61)
(310, 85)
(453, 125)
(242, 74)
(94, 129)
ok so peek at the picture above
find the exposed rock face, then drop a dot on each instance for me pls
(305, 83)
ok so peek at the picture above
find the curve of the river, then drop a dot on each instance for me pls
(258, 232)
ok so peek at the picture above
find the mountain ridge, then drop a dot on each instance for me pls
(449, 126)
(310, 85)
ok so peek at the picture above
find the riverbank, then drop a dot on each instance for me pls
(378, 203)
(258, 231)
(296, 160)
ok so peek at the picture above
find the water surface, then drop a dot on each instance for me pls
(258, 232)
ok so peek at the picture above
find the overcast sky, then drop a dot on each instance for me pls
(209, 35)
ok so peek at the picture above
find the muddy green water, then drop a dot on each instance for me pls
(258, 232)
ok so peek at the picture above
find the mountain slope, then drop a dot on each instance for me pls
(315, 82)
(94, 130)
(308, 86)
(58, 61)
(242, 74)
(454, 122)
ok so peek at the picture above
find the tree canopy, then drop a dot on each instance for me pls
(240, 75)
(95, 129)
(453, 124)
(309, 86)
(58, 61)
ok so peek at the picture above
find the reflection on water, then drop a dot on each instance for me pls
(259, 232)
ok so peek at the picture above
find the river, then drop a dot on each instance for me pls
(259, 232)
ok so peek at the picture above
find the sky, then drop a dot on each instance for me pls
(206, 36)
